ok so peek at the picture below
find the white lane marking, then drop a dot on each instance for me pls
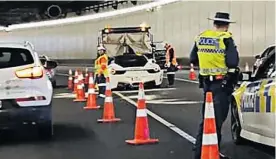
(162, 101)
(148, 90)
(68, 95)
(185, 80)
(148, 97)
(62, 74)
(161, 120)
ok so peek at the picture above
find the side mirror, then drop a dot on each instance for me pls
(257, 56)
(245, 76)
(50, 64)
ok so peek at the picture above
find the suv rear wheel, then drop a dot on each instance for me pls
(235, 124)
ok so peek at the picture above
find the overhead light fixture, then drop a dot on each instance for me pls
(115, 5)
(134, 2)
(96, 9)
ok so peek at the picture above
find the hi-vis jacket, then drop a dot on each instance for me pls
(168, 56)
(101, 65)
(211, 52)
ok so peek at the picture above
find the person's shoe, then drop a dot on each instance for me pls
(223, 156)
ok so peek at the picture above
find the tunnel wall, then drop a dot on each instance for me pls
(177, 23)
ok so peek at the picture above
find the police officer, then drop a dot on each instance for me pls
(216, 54)
(101, 64)
(171, 64)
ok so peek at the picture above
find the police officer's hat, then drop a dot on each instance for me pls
(101, 48)
(222, 17)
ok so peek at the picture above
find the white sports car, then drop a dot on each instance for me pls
(130, 69)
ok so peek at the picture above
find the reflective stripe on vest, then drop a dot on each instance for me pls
(211, 52)
(174, 62)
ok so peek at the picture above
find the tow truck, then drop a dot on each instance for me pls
(131, 53)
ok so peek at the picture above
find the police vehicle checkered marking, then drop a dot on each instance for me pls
(212, 50)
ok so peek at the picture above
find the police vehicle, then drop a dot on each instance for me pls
(259, 58)
(253, 105)
(25, 90)
(131, 51)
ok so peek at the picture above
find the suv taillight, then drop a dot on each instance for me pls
(33, 73)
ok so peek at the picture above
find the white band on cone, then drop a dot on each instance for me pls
(79, 86)
(108, 99)
(210, 139)
(141, 94)
(91, 80)
(75, 81)
(70, 78)
(102, 95)
(91, 90)
(141, 113)
(209, 110)
(108, 86)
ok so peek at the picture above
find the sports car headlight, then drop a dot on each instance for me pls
(156, 69)
(113, 71)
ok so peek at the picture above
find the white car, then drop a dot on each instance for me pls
(25, 90)
(130, 69)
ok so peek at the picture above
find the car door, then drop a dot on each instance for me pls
(261, 119)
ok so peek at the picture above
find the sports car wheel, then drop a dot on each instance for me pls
(235, 124)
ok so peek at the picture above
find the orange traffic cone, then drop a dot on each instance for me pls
(80, 96)
(70, 80)
(210, 149)
(142, 135)
(91, 101)
(108, 113)
(75, 82)
(192, 74)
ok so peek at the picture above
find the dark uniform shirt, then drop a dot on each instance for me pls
(231, 54)
(171, 54)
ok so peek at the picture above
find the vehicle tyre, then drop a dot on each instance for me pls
(54, 83)
(45, 131)
(235, 124)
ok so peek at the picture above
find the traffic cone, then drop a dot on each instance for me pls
(70, 80)
(210, 149)
(192, 74)
(180, 67)
(108, 113)
(246, 68)
(80, 95)
(91, 101)
(142, 135)
(76, 82)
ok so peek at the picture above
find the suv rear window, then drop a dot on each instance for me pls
(131, 60)
(13, 57)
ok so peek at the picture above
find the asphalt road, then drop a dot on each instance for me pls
(173, 119)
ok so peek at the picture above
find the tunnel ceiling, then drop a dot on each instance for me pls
(16, 12)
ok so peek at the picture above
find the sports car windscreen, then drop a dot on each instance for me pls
(13, 57)
(131, 60)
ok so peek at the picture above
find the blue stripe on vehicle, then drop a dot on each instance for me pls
(268, 104)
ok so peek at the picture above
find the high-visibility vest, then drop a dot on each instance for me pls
(211, 52)
(174, 62)
(101, 65)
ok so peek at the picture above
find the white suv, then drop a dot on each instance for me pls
(25, 91)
